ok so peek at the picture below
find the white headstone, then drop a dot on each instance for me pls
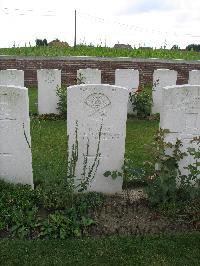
(88, 76)
(49, 80)
(12, 77)
(128, 78)
(101, 131)
(161, 79)
(194, 77)
(15, 140)
(181, 115)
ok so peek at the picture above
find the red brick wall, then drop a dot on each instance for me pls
(69, 66)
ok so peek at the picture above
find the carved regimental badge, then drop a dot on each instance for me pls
(98, 102)
(50, 77)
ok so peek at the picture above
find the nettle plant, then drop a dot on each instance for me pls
(193, 176)
(166, 182)
(61, 92)
(161, 173)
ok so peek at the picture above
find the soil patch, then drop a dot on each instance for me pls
(131, 214)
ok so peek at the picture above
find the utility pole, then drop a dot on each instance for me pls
(75, 30)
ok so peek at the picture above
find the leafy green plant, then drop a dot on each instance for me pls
(61, 92)
(54, 196)
(47, 213)
(190, 184)
(129, 173)
(161, 183)
(89, 170)
(142, 102)
(25, 223)
(80, 79)
(56, 226)
(18, 209)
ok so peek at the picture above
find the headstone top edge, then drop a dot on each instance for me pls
(97, 85)
(89, 69)
(165, 70)
(125, 69)
(11, 69)
(13, 87)
(48, 69)
(185, 86)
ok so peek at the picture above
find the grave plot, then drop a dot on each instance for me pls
(15, 140)
(181, 116)
(12, 77)
(88, 76)
(128, 78)
(49, 80)
(97, 131)
(161, 79)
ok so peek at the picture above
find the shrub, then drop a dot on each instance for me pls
(142, 102)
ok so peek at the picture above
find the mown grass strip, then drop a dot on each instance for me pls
(150, 250)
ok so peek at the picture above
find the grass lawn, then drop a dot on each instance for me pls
(83, 50)
(152, 250)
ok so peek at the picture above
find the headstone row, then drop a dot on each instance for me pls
(96, 133)
(50, 79)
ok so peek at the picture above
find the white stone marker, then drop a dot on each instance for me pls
(48, 82)
(194, 77)
(161, 79)
(12, 77)
(98, 110)
(88, 76)
(128, 78)
(15, 140)
(181, 115)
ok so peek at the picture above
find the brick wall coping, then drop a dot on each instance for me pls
(93, 58)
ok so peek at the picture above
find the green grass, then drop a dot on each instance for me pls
(33, 100)
(49, 144)
(83, 50)
(152, 250)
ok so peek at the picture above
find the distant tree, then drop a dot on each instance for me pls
(175, 47)
(40, 42)
(193, 47)
(45, 43)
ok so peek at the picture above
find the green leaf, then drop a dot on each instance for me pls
(107, 174)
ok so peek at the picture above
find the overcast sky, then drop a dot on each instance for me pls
(152, 23)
